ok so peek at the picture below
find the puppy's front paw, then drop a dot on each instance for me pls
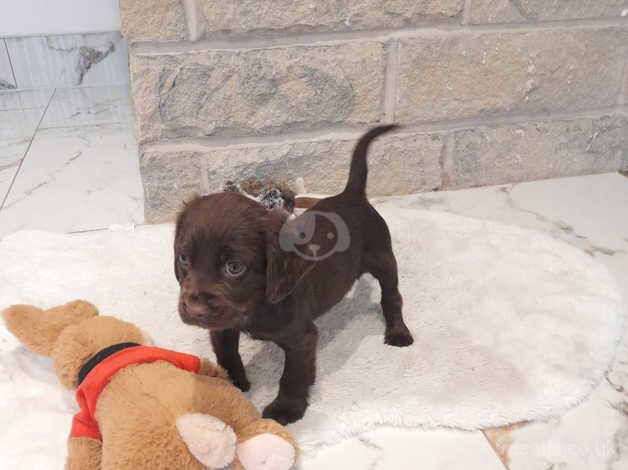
(242, 383)
(398, 335)
(285, 411)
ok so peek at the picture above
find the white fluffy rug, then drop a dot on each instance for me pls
(509, 325)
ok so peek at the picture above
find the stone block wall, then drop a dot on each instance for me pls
(488, 91)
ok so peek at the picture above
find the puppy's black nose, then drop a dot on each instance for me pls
(201, 297)
(196, 310)
(200, 304)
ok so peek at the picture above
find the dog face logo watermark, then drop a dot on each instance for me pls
(321, 233)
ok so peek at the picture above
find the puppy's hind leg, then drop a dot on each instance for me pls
(379, 260)
(384, 268)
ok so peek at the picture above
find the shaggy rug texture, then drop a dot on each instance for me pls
(509, 325)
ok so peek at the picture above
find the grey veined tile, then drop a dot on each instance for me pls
(17, 128)
(25, 99)
(7, 80)
(16, 131)
(69, 60)
(86, 106)
(76, 178)
(6, 177)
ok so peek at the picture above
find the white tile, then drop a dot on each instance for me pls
(69, 60)
(7, 80)
(399, 449)
(12, 151)
(586, 211)
(7, 173)
(88, 106)
(593, 207)
(76, 178)
(349, 454)
(442, 449)
(17, 123)
(16, 131)
(25, 99)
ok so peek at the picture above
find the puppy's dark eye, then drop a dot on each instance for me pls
(234, 269)
(184, 259)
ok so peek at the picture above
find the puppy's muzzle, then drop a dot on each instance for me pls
(196, 311)
(199, 307)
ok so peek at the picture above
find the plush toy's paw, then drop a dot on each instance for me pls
(266, 452)
(208, 439)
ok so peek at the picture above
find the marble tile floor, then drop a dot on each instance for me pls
(63, 152)
(68, 162)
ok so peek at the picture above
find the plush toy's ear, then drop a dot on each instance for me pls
(285, 265)
(38, 329)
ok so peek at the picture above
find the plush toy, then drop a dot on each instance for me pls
(143, 407)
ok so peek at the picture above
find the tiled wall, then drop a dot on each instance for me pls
(63, 61)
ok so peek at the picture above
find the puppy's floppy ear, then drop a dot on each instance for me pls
(178, 235)
(284, 267)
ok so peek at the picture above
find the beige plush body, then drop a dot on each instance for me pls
(151, 415)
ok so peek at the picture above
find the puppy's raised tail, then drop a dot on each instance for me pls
(358, 171)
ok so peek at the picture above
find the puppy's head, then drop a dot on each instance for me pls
(228, 260)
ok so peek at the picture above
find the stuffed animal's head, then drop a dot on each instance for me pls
(70, 334)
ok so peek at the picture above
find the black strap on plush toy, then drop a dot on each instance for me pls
(101, 356)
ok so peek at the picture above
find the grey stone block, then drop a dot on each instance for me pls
(261, 91)
(288, 16)
(509, 11)
(462, 76)
(154, 20)
(398, 164)
(522, 152)
(169, 179)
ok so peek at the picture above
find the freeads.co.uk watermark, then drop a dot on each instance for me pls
(557, 449)
(315, 235)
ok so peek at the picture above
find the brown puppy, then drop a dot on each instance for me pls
(244, 268)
